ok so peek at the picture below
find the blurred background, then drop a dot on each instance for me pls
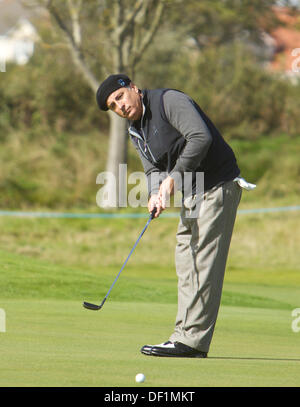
(240, 60)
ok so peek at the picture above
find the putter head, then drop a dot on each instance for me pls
(93, 307)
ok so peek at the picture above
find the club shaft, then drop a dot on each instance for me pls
(131, 251)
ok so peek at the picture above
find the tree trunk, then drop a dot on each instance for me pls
(117, 154)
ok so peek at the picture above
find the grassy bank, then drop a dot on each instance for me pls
(264, 241)
(59, 171)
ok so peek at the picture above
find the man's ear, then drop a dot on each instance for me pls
(134, 87)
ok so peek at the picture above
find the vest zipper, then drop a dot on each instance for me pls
(146, 146)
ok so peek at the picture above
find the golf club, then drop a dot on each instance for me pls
(95, 307)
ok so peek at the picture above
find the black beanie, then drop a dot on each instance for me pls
(112, 83)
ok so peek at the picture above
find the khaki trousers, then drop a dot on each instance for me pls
(201, 254)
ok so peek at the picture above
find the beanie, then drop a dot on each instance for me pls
(111, 84)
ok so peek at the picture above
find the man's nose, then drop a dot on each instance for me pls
(120, 105)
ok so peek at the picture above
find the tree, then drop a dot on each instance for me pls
(217, 22)
(104, 37)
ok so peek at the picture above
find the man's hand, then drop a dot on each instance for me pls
(165, 191)
(155, 202)
(160, 200)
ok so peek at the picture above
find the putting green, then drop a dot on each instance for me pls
(59, 343)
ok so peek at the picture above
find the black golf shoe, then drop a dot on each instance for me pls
(172, 349)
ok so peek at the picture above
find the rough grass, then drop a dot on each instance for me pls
(268, 242)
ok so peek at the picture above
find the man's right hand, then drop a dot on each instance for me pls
(153, 202)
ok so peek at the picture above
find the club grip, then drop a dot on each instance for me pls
(153, 212)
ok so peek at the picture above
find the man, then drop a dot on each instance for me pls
(174, 137)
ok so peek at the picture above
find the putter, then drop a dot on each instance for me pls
(95, 307)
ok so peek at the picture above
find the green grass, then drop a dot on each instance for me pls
(58, 343)
(49, 266)
(23, 277)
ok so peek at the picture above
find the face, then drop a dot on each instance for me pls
(126, 102)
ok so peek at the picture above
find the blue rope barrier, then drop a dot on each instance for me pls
(129, 215)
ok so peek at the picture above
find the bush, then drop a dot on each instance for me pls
(243, 99)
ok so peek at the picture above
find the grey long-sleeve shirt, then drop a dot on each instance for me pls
(183, 116)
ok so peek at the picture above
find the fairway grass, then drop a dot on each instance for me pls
(59, 343)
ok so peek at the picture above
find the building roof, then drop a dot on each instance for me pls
(287, 39)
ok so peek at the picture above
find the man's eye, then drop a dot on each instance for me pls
(119, 96)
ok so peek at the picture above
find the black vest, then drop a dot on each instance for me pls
(162, 144)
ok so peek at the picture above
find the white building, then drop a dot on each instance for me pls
(17, 45)
(17, 34)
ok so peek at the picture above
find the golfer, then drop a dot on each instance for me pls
(173, 137)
